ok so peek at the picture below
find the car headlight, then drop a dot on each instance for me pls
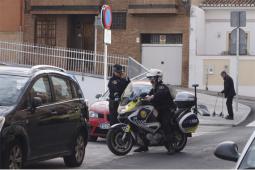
(2, 120)
(93, 114)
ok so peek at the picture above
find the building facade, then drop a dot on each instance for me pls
(154, 32)
(63, 23)
(213, 49)
(11, 20)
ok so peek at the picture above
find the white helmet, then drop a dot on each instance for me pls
(155, 74)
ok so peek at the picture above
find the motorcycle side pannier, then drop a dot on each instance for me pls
(188, 122)
(185, 100)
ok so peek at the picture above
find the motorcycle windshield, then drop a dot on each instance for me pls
(133, 91)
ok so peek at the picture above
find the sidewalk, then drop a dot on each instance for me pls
(210, 100)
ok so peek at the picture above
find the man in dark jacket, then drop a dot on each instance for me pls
(161, 99)
(116, 85)
(229, 92)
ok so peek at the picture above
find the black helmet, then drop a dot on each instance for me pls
(117, 68)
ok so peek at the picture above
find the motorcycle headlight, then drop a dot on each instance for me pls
(2, 120)
(93, 114)
(122, 109)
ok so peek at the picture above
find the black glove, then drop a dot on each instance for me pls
(116, 96)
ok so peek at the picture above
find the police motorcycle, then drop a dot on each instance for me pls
(139, 122)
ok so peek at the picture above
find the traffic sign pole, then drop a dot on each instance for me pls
(237, 67)
(106, 15)
(105, 67)
(238, 19)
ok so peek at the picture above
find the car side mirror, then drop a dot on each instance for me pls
(36, 102)
(98, 96)
(227, 151)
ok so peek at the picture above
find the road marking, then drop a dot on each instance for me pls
(204, 133)
(252, 124)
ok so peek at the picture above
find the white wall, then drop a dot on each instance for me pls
(91, 86)
(208, 39)
(197, 39)
(218, 26)
(199, 73)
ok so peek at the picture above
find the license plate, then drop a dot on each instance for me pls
(105, 126)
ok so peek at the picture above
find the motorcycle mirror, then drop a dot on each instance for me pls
(143, 95)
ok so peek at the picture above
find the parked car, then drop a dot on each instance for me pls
(42, 116)
(229, 151)
(99, 121)
(99, 111)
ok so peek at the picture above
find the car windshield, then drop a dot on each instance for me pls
(248, 161)
(134, 90)
(10, 89)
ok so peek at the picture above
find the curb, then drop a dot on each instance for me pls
(213, 94)
(244, 118)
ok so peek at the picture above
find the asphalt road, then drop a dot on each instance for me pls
(198, 154)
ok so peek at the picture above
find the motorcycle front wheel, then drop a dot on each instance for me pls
(119, 142)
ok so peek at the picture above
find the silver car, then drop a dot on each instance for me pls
(229, 151)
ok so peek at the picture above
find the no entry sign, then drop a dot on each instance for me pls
(106, 14)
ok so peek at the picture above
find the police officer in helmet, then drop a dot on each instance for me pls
(116, 85)
(161, 99)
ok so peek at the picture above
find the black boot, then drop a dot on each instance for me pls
(169, 144)
(229, 117)
(141, 149)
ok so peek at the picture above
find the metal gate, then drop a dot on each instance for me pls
(166, 57)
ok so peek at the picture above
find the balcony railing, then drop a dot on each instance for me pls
(152, 6)
(64, 6)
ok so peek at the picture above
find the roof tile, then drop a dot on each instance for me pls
(228, 3)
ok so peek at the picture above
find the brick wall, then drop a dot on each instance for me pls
(10, 15)
(11, 36)
(124, 41)
(62, 30)
(29, 28)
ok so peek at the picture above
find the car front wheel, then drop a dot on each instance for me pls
(13, 156)
(78, 153)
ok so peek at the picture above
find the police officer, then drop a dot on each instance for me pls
(229, 92)
(161, 99)
(116, 85)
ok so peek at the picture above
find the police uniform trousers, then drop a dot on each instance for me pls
(113, 109)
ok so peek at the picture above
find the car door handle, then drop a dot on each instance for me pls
(77, 109)
(54, 112)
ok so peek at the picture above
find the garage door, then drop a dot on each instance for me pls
(166, 57)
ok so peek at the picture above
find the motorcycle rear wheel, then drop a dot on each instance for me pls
(116, 144)
(180, 141)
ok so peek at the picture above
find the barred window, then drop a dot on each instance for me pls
(119, 20)
(243, 44)
(45, 30)
(161, 38)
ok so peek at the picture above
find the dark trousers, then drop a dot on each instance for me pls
(165, 117)
(113, 109)
(230, 106)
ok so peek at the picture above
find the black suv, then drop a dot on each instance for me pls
(42, 116)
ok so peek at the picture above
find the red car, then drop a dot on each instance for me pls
(99, 118)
